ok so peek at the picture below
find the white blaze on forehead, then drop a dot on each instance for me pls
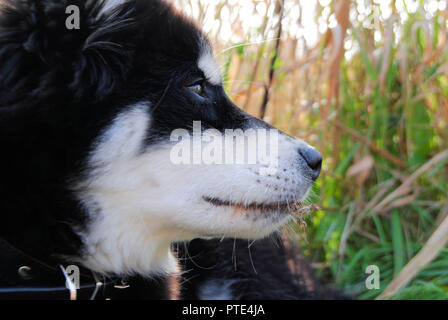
(208, 65)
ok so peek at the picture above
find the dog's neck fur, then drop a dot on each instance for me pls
(133, 248)
(140, 243)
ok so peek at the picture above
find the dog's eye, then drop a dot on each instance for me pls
(197, 88)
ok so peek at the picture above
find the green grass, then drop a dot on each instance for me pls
(406, 119)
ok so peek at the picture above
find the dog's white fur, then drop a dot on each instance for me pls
(139, 202)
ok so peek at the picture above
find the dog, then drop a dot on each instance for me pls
(86, 119)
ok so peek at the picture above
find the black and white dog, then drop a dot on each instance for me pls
(86, 116)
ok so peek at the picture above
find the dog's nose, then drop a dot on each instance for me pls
(314, 160)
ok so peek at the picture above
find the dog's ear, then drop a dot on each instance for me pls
(52, 46)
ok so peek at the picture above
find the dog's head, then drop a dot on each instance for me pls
(136, 84)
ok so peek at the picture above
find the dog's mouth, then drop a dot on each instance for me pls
(292, 208)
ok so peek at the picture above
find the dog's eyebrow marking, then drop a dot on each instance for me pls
(208, 65)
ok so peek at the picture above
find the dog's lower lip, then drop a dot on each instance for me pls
(280, 206)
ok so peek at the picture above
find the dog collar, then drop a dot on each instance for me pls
(25, 277)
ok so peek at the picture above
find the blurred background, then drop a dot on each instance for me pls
(366, 83)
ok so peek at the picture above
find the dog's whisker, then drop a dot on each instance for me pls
(251, 243)
(246, 44)
(250, 257)
(234, 253)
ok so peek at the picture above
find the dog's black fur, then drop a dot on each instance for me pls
(59, 88)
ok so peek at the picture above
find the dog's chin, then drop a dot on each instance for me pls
(243, 221)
